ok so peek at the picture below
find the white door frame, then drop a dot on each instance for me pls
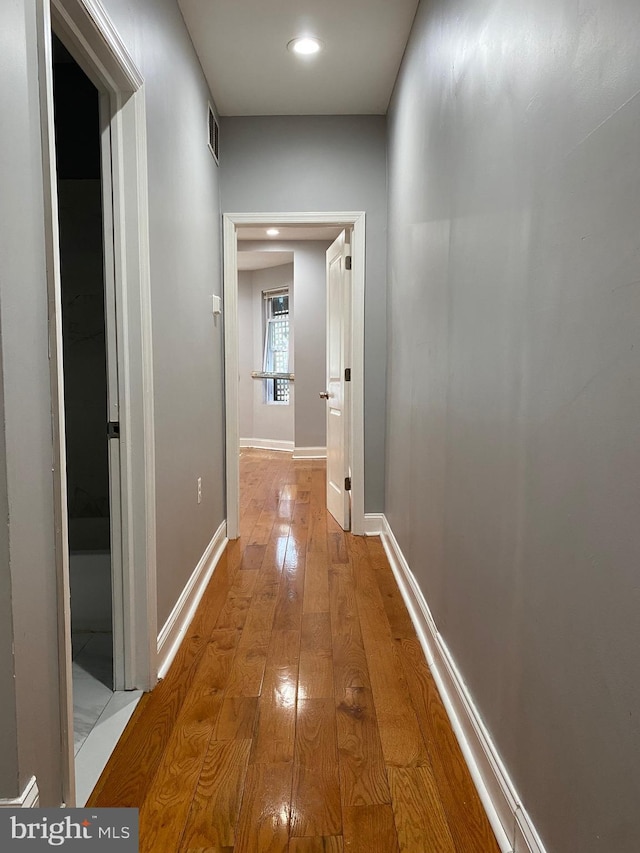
(355, 221)
(95, 44)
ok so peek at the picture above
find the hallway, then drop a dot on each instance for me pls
(299, 713)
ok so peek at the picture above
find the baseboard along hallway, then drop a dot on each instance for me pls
(299, 713)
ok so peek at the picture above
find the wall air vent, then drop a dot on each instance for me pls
(213, 131)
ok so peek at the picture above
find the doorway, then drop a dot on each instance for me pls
(93, 500)
(90, 38)
(288, 224)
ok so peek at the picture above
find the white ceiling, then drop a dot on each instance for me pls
(242, 45)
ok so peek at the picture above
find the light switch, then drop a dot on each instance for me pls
(217, 304)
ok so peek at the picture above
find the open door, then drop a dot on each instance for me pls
(338, 379)
(122, 678)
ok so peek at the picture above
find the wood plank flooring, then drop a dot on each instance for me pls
(299, 714)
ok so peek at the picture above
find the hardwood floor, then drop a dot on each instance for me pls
(299, 714)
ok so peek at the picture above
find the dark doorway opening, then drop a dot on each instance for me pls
(80, 215)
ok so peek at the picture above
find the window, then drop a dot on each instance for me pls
(276, 344)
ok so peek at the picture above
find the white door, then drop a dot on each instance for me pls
(122, 676)
(337, 389)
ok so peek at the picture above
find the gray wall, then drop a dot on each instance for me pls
(513, 430)
(185, 271)
(27, 557)
(309, 333)
(323, 163)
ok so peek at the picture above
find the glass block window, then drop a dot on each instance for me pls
(276, 345)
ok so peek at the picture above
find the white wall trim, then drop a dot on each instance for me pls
(355, 220)
(374, 524)
(87, 22)
(177, 624)
(267, 443)
(28, 799)
(310, 453)
(54, 296)
(509, 820)
(231, 373)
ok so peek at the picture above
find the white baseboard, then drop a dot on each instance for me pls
(310, 453)
(374, 524)
(29, 799)
(267, 444)
(509, 820)
(176, 626)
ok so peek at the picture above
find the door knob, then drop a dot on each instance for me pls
(324, 395)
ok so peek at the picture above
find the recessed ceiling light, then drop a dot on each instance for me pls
(272, 232)
(305, 45)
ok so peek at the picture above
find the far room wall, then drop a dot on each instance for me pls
(308, 343)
